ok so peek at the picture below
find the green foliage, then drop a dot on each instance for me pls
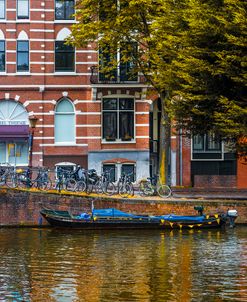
(194, 51)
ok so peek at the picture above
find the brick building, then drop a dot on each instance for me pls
(82, 118)
(94, 125)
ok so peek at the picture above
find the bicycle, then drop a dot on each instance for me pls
(125, 187)
(151, 187)
(5, 170)
(104, 185)
(64, 181)
(41, 182)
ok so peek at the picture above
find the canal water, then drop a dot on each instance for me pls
(141, 266)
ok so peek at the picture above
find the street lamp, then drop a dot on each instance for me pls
(33, 121)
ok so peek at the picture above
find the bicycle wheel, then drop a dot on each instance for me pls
(164, 191)
(44, 184)
(141, 187)
(109, 188)
(99, 187)
(148, 189)
(11, 181)
(125, 190)
(80, 186)
(71, 184)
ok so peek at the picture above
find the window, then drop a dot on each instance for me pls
(64, 9)
(64, 57)
(2, 56)
(206, 143)
(2, 9)
(22, 56)
(15, 153)
(64, 122)
(118, 119)
(125, 67)
(111, 168)
(129, 169)
(22, 9)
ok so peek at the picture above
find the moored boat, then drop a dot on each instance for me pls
(115, 219)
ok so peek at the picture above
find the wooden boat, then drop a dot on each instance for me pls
(115, 219)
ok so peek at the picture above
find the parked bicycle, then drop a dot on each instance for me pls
(104, 185)
(125, 187)
(65, 180)
(151, 186)
(23, 178)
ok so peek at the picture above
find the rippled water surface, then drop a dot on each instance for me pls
(70, 266)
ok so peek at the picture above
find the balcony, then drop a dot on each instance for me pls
(120, 75)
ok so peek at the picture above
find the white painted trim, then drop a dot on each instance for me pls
(37, 153)
(65, 21)
(88, 113)
(142, 125)
(47, 63)
(139, 112)
(117, 142)
(41, 9)
(89, 126)
(11, 29)
(42, 51)
(42, 30)
(86, 51)
(142, 136)
(56, 145)
(86, 63)
(88, 137)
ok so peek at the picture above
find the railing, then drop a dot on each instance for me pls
(120, 75)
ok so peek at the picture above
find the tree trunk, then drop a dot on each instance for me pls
(165, 142)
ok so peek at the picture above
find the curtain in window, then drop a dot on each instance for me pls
(110, 125)
(126, 125)
(65, 122)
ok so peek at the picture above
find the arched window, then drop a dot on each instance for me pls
(64, 122)
(22, 52)
(64, 54)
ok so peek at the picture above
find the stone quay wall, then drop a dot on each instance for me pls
(22, 208)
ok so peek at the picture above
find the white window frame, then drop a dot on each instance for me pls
(65, 143)
(118, 141)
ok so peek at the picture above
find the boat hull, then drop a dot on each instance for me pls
(128, 223)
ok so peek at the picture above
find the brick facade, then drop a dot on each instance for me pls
(41, 88)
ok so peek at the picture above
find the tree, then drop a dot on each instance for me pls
(211, 71)
(192, 52)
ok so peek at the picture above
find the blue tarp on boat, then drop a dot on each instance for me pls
(112, 212)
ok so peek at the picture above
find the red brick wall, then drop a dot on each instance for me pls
(215, 181)
(22, 208)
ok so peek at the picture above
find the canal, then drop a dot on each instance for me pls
(141, 266)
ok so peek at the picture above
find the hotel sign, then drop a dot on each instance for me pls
(12, 123)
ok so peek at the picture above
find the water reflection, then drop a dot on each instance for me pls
(52, 265)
